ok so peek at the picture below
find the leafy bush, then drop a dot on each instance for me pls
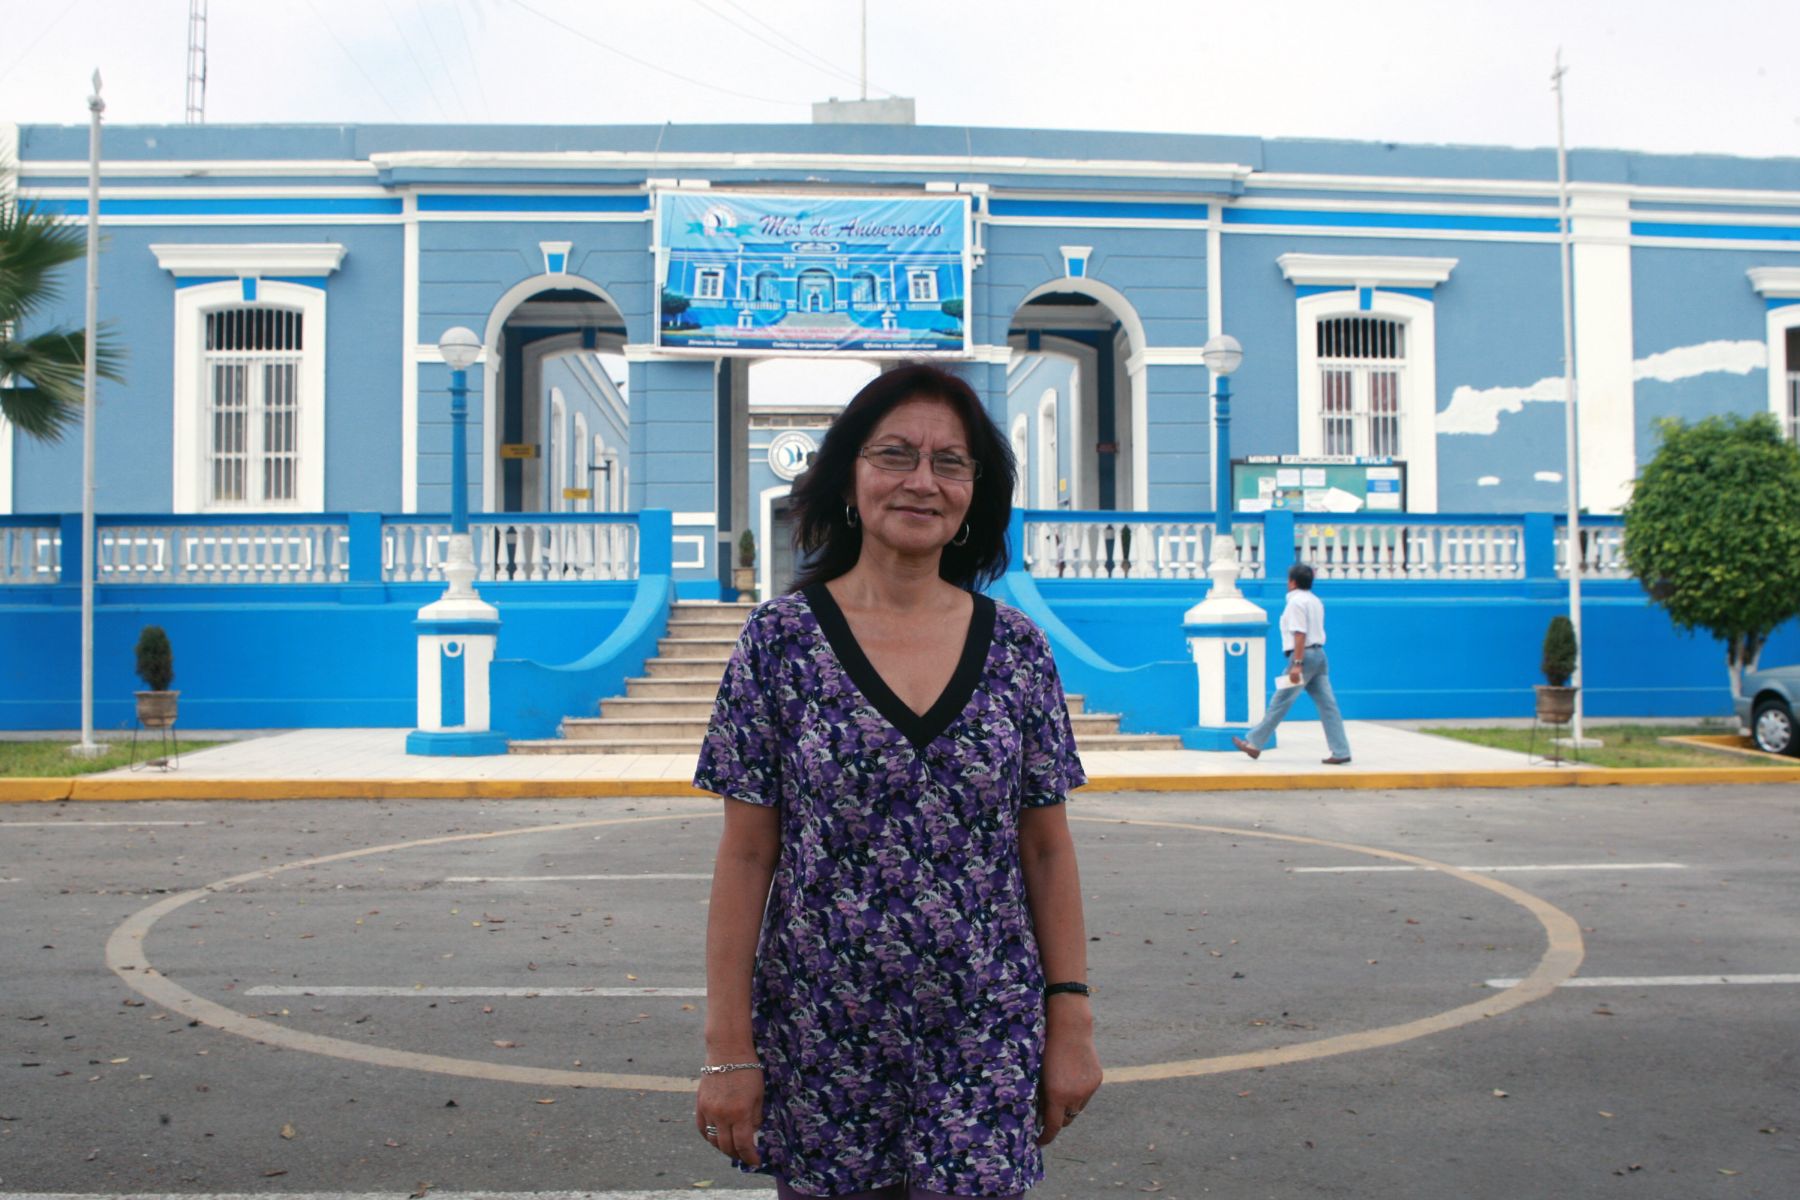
(155, 659)
(1559, 652)
(747, 549)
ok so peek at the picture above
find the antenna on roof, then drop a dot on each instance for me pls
(196, 63)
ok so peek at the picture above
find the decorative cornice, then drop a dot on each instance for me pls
(1776, 283)
(301, 259)
(1364, 270)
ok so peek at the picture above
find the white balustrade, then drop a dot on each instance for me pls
(30, 554)
(1132, 549)
(1401, 551)
(1602, 552)
(514, 550)
(275, 552)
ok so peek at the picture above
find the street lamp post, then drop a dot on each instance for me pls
(459, 632)
(1226, 625)
(90, 545)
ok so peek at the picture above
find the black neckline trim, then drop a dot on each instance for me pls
(920, 729)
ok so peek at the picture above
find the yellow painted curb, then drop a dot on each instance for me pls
(1725, 743)
(173, 787)
(34, 790)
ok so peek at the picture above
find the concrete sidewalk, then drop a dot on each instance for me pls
(373, 764)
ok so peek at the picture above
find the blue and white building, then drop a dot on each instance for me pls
(280, 290)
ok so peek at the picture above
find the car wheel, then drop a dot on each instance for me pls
(1772, 727)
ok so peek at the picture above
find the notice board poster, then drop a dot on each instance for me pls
(1318, 485)
(754, 273)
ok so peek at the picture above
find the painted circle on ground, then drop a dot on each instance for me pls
(126, 958)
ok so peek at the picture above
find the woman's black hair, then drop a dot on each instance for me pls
(829, 545)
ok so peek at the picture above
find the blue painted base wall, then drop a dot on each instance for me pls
(250, 657)
(1423, 650)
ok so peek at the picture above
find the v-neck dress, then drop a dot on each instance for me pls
(897, 1000)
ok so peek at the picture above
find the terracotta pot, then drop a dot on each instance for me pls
(743, 578)
(1555, 705)
(156, 710)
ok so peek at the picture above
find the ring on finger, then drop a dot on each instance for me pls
(712, 1133)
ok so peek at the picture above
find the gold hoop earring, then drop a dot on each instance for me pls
(961, 539)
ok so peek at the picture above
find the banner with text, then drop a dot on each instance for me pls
(749, 273)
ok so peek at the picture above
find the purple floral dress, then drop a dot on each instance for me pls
(898, 999)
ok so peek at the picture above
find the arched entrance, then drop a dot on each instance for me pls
(1078, 338)
(555, 352)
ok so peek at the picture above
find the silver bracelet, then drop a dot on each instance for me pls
(723, 1068)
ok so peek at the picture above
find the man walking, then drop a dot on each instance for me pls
(1303, 633)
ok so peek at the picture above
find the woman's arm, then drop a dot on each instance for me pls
(1053, 889)
(748, 850)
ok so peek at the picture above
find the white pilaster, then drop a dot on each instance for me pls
(1600, 230)
(409, 357)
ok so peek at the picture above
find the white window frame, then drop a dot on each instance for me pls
(191, 419)
(1779, 283)
(1048, 452)
(1021, 448)
(922, 295)
(1418, 379)
(709, 283)
(559, 451)
(584, 478)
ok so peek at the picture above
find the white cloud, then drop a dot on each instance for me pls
(1685, 362)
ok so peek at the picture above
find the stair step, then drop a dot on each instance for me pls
(695, 647)
(631, 708)
(687, 668)
(674, 687)
(616, 746)
(704, 627)
(689, 730)
(1077, 703)
(1129, 741)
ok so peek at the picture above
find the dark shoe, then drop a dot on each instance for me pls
(1247, 748)
(1335, 761)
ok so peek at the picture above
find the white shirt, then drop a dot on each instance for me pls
(1305, 613)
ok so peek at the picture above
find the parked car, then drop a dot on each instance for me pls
(1767, 706)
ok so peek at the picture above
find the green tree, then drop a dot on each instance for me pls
(41, 371)
(1713, 531)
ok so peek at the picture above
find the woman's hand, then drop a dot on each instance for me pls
(733, 1104)
(1071, 1065)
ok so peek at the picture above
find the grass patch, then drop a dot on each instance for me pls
(1626, 745)
(52, 759)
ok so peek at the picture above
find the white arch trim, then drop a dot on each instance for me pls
(514, 296)
(765, 580)
(1111, 297)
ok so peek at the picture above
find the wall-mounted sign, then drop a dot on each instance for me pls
(578, 493)
(791, 452)
(752, 273)
(518, 450)
(1328, 484)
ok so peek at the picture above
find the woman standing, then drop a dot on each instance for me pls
(896, 961)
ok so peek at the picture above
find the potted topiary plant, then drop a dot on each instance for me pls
(1555, 698)
(743, 577)
(156, 667)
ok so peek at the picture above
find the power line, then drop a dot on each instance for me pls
(430, 87)
(589, 38)
(332, 33)
(443, 63)
(462, 30)
(818, 62)
(42, 34)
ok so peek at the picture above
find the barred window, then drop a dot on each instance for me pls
(1791, 410)
(251, 362)
(1362, 364)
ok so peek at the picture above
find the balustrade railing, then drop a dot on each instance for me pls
(257, 551)
(30, 553)
(1132, 545)
(1403, 549)
(528, 549)
(1602, 551)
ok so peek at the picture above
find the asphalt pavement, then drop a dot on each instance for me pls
(1300, 994)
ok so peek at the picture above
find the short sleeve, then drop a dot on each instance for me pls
(740, 758)
(1052, 768)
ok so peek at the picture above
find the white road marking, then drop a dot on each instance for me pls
(85, 825)
(559, 878)
(666, 1194)
(604, 992)
(1608, 866)
(1631, 981)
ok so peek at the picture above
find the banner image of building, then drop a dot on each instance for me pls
(748, 273)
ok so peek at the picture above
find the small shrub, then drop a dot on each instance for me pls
(1559, 652)
(746, 549)
(155, 659)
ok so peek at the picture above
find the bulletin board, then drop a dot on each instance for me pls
(1319, 484)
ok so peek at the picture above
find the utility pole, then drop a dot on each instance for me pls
(90, 545)
(1572, 555)
(196, 63)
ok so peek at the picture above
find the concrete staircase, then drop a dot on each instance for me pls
(665, 711)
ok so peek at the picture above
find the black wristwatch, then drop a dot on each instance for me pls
(1078, 989)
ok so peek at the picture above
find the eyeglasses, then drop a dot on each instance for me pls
(945, 464)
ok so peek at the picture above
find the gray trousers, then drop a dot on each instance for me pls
(1315, 681)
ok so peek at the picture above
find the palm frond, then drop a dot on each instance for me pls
(50, 365)
(33, 244)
